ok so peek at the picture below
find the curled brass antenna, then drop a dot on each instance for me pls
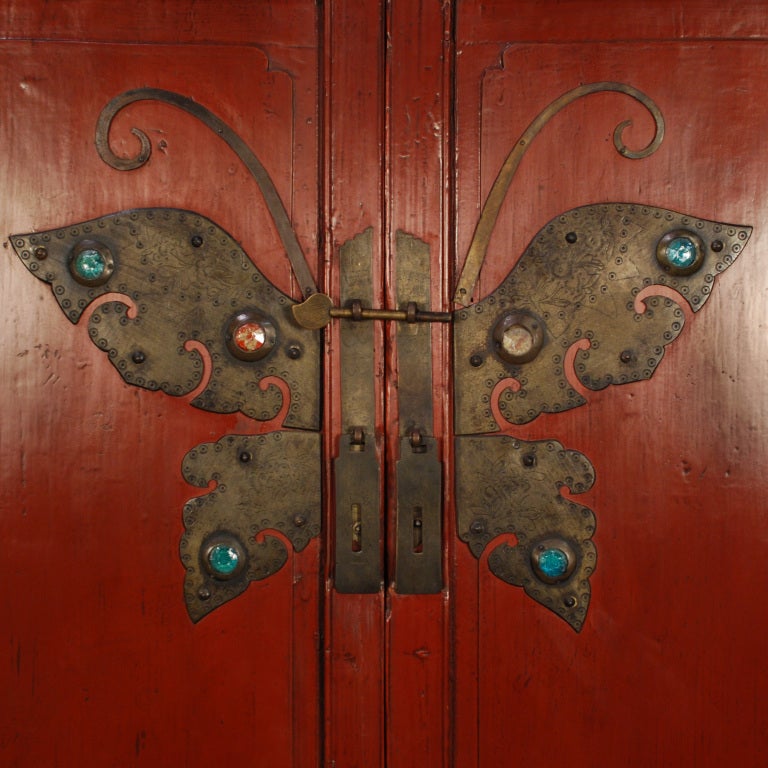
(490, 212)
(223, 131)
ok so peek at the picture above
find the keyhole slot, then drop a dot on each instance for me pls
(357, 528)
(418, 527)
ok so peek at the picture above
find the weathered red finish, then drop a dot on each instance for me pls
(417, 202)
(667, 669)
(355, 723)
(394, 116)
(102, 665)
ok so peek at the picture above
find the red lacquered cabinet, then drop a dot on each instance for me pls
(385, 131)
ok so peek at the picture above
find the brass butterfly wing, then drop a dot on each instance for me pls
(593, 301)
(178, 306)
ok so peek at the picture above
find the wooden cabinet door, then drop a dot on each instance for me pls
(383, 128)
(666, 668)
(103, 666)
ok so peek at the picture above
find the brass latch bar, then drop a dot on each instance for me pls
(359, 528)
(419, 472)
(318, 310)
(358, 515)
(418, 559)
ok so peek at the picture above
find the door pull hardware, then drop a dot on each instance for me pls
(317, 311)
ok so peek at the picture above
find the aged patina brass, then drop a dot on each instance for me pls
(182, 279)
(181, 308)
(418, 556)
(490, 211)
(582, 277)
(579, 304)
(510, 486)
(223, 131)
(318, 310)
(358, 560)
(265, 483)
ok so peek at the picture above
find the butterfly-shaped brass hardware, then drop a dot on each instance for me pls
(181, 308)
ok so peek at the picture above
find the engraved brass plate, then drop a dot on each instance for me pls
(223, 131)
(586, 279)
(182, 283)
(179, 307)
(358, 566)
(579, 310)
(509, 486)
(492, 206)
(418, 555)
(267, 494)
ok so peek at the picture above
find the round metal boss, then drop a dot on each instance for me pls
(91, 263)
(224, 557)
(250, 335)
(518, 337)
(553, 560)
(680, 252)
